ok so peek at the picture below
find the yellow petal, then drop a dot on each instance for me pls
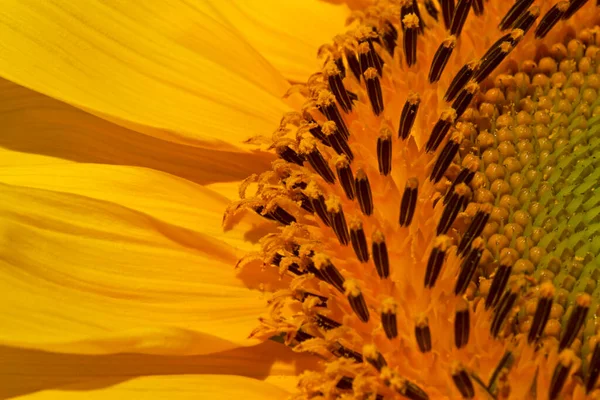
(177, 387)
(89, 276)
(172, 69)
(27, 371)
(34, 123)
(288, 33)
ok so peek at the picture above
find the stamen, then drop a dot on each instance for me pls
(345, 175)
(574, 6)
(436, 259)
(550, 19)
(343, 352)
(461, 325)
(345, 383)
(411, 31)
(594, 368)
(489, 63)
(356, 300)
(336, 86)
(514, 13)
(464, 98)
(466, 174)
(409, 113)
(289, 155)
(354, 64)
(542, 312)
(447, 12)
(338, 220)
(526, 20)
(478, 7)
(374, 90)
(561, 372)
(469, 266)
(329, 271)
(336, 140)
(363, 192)
(413, 392)
(374, 357)
(498, 283)
(576, 320)
(380, 255)
(460, 79)
(504, 307)
(326, 104)
(315, 130)
(475, 228)
(451, 210)
(309, 148)
(317, 201)
(462, 381)
(409, 201)
(359, 240)
(441, 57)
(302, 336)
(384, 151)
(339, 63)
(431, 9)
(326, 323)
(460, 16)
(368, 57)
(423, 334)
(440, 129)
(388, 318)
(282, 216)
(445, 157)
(504, 364)
(322, 299)
(390, 37)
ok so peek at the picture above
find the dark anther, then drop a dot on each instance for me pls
(413, 392)
(444, 159)
(374, 90)
(339, 62)
(340, 351)
(469, 266)
(502, 310)
(418, 14)
(551, 18)
(380, 255)
(384, 151)
(475, 228)
(454, 206)
(526, 20)
(463, 383)
(338, 220)
(337, 87)
(323, 299)
(368, 57)
(436, 260)
(388, 319)
(363, 192)
(390, 37)
(447, 12)
(326, 323)
(464, 98)
(498, 283)
(409, 113)
(542, 312)
(282, 216)
(478, 7)
(576, 320)
(345, 383)
(315, 130)
(411, 31)
(329, 271)
(461, 326)
(431, 9)
(460, 16)
(495, 56)
(594, 369)
(289, 155)
(440, 129)
(465, 175)
(336, 140)
(302, 336)
(326, 105)
(423, 335)
(561, 372)
(345, 175)
(359, 241)
(356, 300)
(460, 80)
(441, 57)
(318, 203)
(353, 64)
(574, 6)
(305, 202)
(408, 203)
(504, 364)
(374, 357)
(316, 160)
(514, 13)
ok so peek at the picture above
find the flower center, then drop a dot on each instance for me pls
(439, 226)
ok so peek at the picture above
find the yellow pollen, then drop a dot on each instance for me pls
(351, 288)
(411, 21)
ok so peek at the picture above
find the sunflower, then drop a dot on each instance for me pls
(428, 231)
